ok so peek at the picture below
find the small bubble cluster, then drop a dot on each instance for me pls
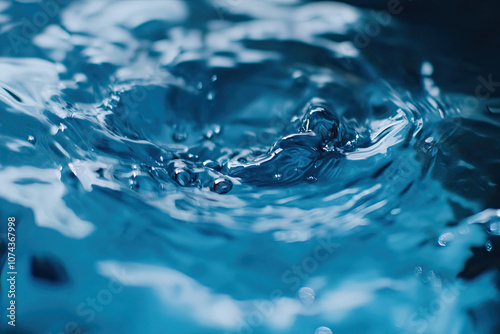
(179, 137)
(212, 131)
(445, 238)
(488, 245)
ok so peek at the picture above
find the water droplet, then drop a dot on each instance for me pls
(299, 77)
(213, 78)
(306, 295)
(489, 246)
(323, 330)
(297, 74)
(182, 177)
(445, 238)
(179, 137)
(199, 85)
(429, 143)
(222, 186)
(210, 96)
(32, 140)
(277, 177)
(212, 131)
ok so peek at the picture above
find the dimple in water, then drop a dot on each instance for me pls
(321, 135)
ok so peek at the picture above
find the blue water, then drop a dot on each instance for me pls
(239, 166)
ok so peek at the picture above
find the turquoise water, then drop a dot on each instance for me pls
(240, 166)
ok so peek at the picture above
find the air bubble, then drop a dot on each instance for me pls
(488, 246)
(32, 140)
(429, 143)
(182, 177)
(299, 78)
(133, 184)
(212, 131)
(179, 137)
(445, 238)
(222, 186)
(494, 228)
(306, 295)
(323, 330)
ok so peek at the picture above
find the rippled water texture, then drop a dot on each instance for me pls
(240, 166)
